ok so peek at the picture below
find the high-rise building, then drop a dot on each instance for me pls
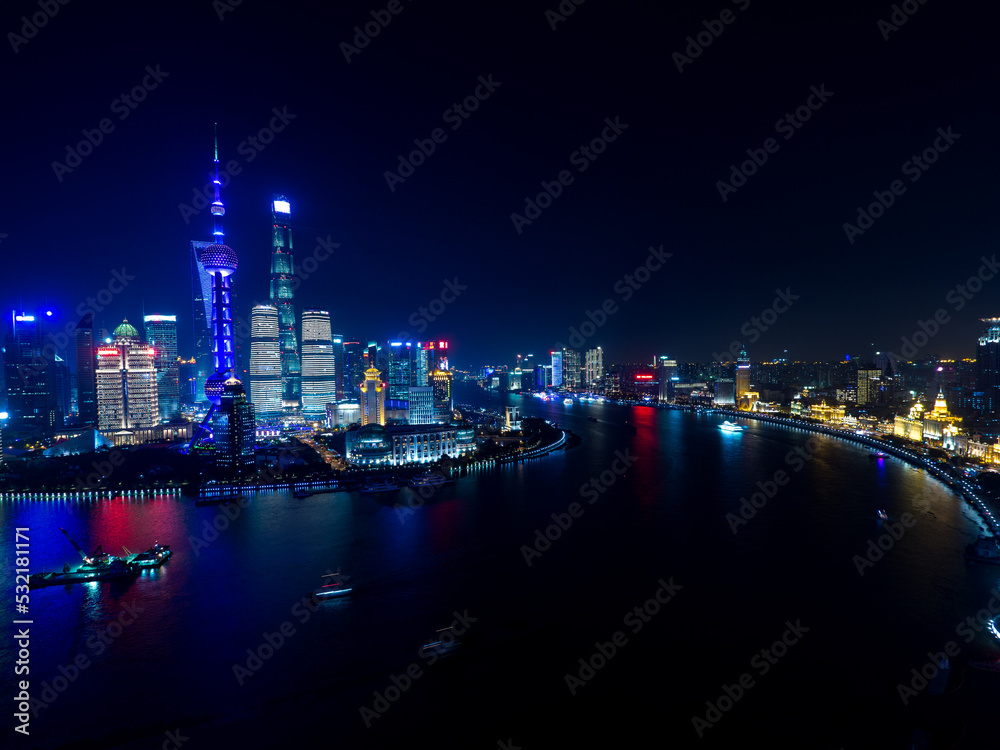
(354, 368)
(127, 389)
(423, 364)
(421, 400)
(557, 369)
(868, 384)
(372, 398)
(265, 362)
(234, 427)
(988, 369)
(443, 405)
(338, 365)
(161, 334)
(593, 369)
(319, 384)
(571, 371)
(201, 316)
(400, 370)
(32, 376)
(282, 292)
(86, 368)
(666, 374)
(742, 375)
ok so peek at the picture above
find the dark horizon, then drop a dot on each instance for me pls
(874, 98)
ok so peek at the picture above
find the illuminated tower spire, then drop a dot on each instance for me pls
(218, 209)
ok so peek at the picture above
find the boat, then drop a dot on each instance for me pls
(379, 484)
(332, 590)
(568, 401)
(109, 570)
(154, 557)
(728, 426)
(429, 479)
(303, 493)
(219, 500)
(882, 515)
(877, 455)
(984, 549)
(986, 666)
(444, 644)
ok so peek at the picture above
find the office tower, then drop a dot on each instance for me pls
(86, 369)
(354, 368)
(372, 398)
(742, 374)
(421, 400)
(399, 368)
(666, 371)
(127, 392)
(441, 353)
(593, 369)
(441, 384)
(988, 369)
(201, 316)
(161, 334)
(725, 391)
(338, 365)
(221, 262)
(423, 365)
(571, 374)
(557, 369)
(187, 374)
(234, 427)
(319, 385)
(868, 384)
(265, 362)
(282, 291)
(31, 377)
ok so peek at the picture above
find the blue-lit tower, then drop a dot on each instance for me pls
(220, 262)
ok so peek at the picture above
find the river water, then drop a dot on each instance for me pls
(168, 652)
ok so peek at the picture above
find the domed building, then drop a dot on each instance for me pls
(127, 396)
(369, 446)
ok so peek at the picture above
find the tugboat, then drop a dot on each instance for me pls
(984, 549)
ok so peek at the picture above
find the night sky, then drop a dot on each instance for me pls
(552, 92)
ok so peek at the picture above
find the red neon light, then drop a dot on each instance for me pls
(643, 377)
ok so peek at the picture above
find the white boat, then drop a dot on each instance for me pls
(429, 479)
(333, 590)
(379, 484)
(568, 401)
(728, 426)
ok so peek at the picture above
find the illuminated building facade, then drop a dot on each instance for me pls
(742, 375)
(201, 298)
(593, 369)
(235, 430)
(421, 400)
(282, 292)
(571, 371)
(400, 366)
(725, 392)
(666, 373)
(418, 444)
(557, 369)
(265, 362)
(161, 334)
(987, 400)
(319, 383)
(372, 398)
(127, 389)
(32, 376)
(869, 380)
(443, 405)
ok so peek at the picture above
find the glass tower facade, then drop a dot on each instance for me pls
(988, 369)
(282, 271)
(161, 334)
(319, 382)
(265, 361)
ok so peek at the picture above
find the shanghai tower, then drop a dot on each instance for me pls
(282, 290)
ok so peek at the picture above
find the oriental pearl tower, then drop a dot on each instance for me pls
(220, 262)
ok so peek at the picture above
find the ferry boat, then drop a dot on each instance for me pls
(154, 557)
(379, 484)
(984, 549)
(442, 645)
(332, 590)
(429, 479)
(728, 426)
(114, 568)
(568, 401)
(877, 455)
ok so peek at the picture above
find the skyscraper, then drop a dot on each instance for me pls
(86, 378)
(557, 369)
(593, 370)
(666, 372)
(201, 315)
(319, 384)
(988, 369)
(400, 370)
(742, 374)
(338, 365)
(443, 406)
(31, 376)
(353, 369)
(127, 393)
(234, 427)
(161, 334)
(372, 398)
(282, 271)
(571, 374)
(868, 384)
(421, 404)
(265, 361)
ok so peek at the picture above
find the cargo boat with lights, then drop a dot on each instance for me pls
(100, 566)
(154, 557)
